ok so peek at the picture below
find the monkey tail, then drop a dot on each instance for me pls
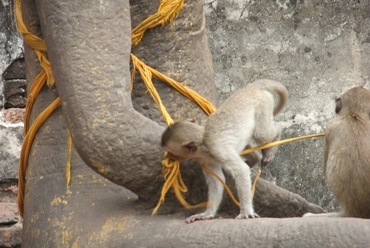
(274, 87)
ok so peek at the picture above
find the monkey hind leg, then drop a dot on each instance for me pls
(271, 135)
(241, 173)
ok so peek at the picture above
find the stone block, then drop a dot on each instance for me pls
(11, 139)
(16, 70)
(15, 93)
(10, 221)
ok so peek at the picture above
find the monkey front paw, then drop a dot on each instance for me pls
(247, 216)
(202, 216)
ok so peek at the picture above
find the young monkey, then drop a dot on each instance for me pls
(246, 118)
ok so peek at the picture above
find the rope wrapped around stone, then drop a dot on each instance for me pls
(167, 11)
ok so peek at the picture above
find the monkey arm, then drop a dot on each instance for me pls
(215, 192)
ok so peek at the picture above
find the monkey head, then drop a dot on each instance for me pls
(353, 101)
(182, 140)
(181, 151)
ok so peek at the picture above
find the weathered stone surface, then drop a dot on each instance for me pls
(10, 221)
(8, 190)
(256, 233)
(16, 70)
(287, 41)
(317, 49)
(11, 236)
(11, 139)
(15, 93)
(11, 44)
(10, 41)
(8, 213)
(13, 115)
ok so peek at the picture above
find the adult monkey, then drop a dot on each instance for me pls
(99, 213)
(347, 154)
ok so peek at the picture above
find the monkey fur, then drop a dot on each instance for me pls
(245, 119)
(347, 155)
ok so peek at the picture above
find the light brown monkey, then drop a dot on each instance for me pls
(245, 119)
(176, 133)
(347, 154)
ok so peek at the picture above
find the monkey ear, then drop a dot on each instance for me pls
(191, 147)
(338, 105)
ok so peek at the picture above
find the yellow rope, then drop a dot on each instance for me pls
(45, 76)
(171, 169)
(35, 42)
(167, 11)
(68, 164)
(279, 142)
(147, 76)
(255, 181)
(231, 195)
(147, 71)
(172, 177)
(223, 183)
(26, 147)
(35, 88)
